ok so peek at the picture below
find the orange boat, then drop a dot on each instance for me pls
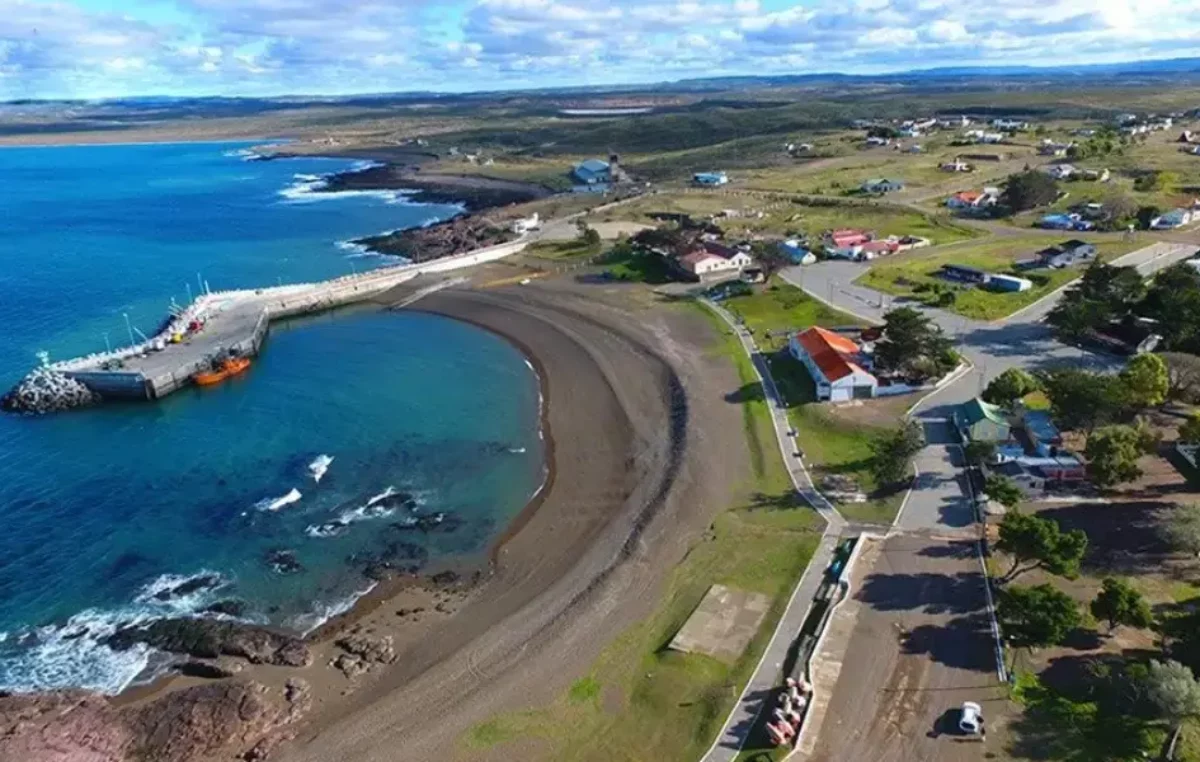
(230, 367)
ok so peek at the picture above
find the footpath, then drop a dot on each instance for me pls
(768, 674)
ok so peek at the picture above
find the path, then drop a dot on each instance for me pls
(767, 675)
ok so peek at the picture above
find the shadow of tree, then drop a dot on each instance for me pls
(931, 593)
(1122, 537)
(752, 392)
(962, 643)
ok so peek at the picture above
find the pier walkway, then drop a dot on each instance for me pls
(238, 321)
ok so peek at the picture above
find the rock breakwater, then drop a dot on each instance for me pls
(47, 391)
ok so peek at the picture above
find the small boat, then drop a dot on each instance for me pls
(229, 367)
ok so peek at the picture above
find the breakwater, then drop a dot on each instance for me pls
(216, 324)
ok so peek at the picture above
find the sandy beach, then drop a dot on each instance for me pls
(638, 475)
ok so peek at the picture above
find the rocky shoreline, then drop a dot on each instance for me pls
(473, 193)
(443, 239)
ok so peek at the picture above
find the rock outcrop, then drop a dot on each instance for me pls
(208, 639)
(225, 719)
(47, 391)
(455, 236)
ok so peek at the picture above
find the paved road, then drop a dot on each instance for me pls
(1021, 340)
(919, 647)
(768, 674)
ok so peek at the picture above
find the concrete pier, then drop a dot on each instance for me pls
(239, 321)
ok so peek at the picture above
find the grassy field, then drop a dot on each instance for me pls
(784, 216)
(774, 313)
(902, 275)
(640, 701)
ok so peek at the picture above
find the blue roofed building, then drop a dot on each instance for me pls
(592, 172)
(797, 252)
(710, 178)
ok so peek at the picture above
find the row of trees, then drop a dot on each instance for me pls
(1107, 296)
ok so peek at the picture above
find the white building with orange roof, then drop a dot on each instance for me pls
(835, 364)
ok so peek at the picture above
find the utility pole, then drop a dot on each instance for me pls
(129, 327)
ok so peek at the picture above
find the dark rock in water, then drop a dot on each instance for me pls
(203, 669)
(128, 562)
(187, 587)
(219, 720)
(445, 578)
(433, 522)
(208, 639)
(230, 607)
(283, 561)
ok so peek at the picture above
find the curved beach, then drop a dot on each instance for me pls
(644, 452)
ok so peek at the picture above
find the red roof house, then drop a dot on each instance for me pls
(833, 362)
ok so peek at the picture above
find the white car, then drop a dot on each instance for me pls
(971, 720)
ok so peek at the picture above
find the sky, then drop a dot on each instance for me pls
(114, 48)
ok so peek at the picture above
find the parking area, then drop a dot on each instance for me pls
(920, 647)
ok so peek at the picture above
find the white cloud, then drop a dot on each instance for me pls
(54, 47)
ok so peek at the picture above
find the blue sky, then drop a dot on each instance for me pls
(106, 48)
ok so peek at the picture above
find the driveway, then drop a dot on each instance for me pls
(920, 646)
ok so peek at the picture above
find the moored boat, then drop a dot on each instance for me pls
(230, 367)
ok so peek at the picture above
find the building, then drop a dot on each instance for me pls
(973, 199)
(1096, 175)
(979, 421)
(709, 259)
(882, 185)
(593, 172)
(958, 165)
(710, 178)
(525, 224)
(835, 364)
(1044, 436)
(953, 122)
(964, 274)
(999, 282)
(846, 237)
(1172, 219)
(1060, 171)
(797, 252)
(1050, 147)
(1060, 221)
(872, 249)
(1012, 125)
(1078, 249)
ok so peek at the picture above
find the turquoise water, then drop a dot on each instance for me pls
(107, 511)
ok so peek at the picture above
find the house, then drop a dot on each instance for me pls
(1020, 475)
(525, 224)
(1078, 249)
(1044, 436)
(880, 142)
(1060, 171)
(964, 274)
(872, 249)
(708, 258)
(882, 185)
(1011, 125)
(846, 237)
(1060, 221)
(753, 274)
(1050, 147)
(797, 252)
(973, 199)
(979, 421)
(1065, 254)
(958, 165)
(710, 178)
(834, 362)
(1010, 283)
(953, 122)
(1172, 219)
(593, 172)
(1095, 175)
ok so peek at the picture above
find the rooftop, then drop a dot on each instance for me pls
(830, 352)
(977, 410)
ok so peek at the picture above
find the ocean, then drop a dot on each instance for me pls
(424, 430)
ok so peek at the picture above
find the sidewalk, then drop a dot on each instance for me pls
(768, 674)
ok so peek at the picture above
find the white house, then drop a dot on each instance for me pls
(1172, 219)
(1010, 124)
(710, 259)
(833, 361)
(1060, 171)
(525, 224)
(973, 199)
(958, 165)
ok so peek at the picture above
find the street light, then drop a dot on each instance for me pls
(128, 327)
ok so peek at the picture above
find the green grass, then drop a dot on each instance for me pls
(779, 309)
(659, 704)
(562, 250)
(903, 275)
(635, 265)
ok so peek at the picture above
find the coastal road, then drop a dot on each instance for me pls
(768, 674)
(1019, 341)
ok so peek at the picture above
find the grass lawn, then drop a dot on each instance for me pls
(562, 251)
(631, 264)
(640, 701)
(786, 217)
(902, 275)
(774, 312)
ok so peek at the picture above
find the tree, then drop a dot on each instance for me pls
(769, 257)
(1183, 376)
(588, 236)
(1105, 294)
(1010, 386)
(1029, 190)
(1189, 432)
(1181, 530)
(1034, 542)
(1113, 453)
(1003, 491)
(1146, 215)
(1119, 207)
(978, 453)
(1033, 617)
(1145, 380)
(914, 345)
(1079, 400)
(1173, 299)
(893, 452)
(1171, 689)
(1118, 603)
